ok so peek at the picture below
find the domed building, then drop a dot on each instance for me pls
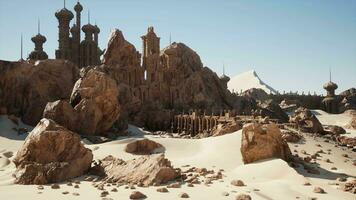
(38, 53)
(330, 102)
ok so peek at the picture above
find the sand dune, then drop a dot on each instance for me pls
(270, 179)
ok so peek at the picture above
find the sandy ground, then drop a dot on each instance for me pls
(273, 178)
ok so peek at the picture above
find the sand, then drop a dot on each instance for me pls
(273, 178)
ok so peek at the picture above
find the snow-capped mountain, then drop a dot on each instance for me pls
(248, 80)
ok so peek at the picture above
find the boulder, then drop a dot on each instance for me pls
(335, 130)
(346, 141)
(260, 142)
(144, 170)
(95, 101)
(306, 121)
(227, 128)
(272, 110)
(25, 88)
(256, 93)
(143, 147)
(290, 136)
(50, 154)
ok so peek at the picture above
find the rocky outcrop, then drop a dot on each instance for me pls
(272, 110)
(143, 171)
(256, 93)
(292, 137)
(346, 141)
(143, 147)
(334, 130)
(51, 153)
(260, 142)
(226, 128)
(93, 107)
(25, 88)
(306, 121)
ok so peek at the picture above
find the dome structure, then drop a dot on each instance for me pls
(64, 13)
(78, 7)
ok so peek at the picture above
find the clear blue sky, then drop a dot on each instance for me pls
(291, 44)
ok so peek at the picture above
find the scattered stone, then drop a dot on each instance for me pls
(307, 184)
(65, 192)
(333, 168)
(40, 187)
(225, 194)
(319, 190)
(76, 186)
(137, 195)
(174, 185)
(75, 194)
(163, 190)
(243, 197)
(238, 183)
(104, 194)
(69, 184)
(184, 195)
(342, 179)
(114, 190)
(55, 186)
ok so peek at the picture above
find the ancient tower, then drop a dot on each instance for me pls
(76, 32)
(330, 103)
(224, 79)
(151, 49)
(38, 53)
(89, 51)
(64, 17)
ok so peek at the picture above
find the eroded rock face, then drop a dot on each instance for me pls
(272, 110)
(335, 130)
(292, 137)
(143, 147)
(256, 93)
(346, 141)
(306, 121)
(95, 101)
(25, 88)
(227, 128)
(260, 142)
(50, 154)
(144, 170)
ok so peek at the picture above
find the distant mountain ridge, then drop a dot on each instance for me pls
(248, 80)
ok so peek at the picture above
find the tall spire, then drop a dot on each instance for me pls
(223, 68)
(88, 16)
(64, 3)
(170, 39)
(39, 26)
(21, 47)
(330, 74)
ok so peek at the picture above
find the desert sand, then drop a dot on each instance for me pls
(269, 179)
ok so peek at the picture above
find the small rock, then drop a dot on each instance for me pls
(307, 184)
(163, 190)
(174, 185)
(76, 186)
(237, 183)
(114, 190)
(342, 179)
(65, 192)
(243, 197)
(55, 186)
(225, 194)
(137, 195)
(333, 168)
(75, 194)
(319, 190)
(183, 195)
(40, 187)
(104, 194)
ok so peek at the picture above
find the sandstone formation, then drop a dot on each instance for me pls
(346, 141)
(145, 170)
(226, 128)
(25, 88)
(260, 142)
(256, 93)
(272, 110)
(335, 130)
(292, 137)
(143, 147)
(93, 107)
(51, 153)
(306, 121)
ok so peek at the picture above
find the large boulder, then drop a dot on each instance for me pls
(51, 153)
(307, 121)
(144, 171)
(93, 107)
(256, 93)
(260, 142)
(25, 88)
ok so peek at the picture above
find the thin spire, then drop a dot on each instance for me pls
(330, 74)
(88, 16)
(170, 39)
(39, 26)
(223, 68)
(64, 3)
(21, 47)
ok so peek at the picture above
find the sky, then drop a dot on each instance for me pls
(290, 44)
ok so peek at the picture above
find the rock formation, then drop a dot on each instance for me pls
(272, 110)
(227, 128)
(143, 147)
(51, 153)
(143, 171)
(260, 142)
(306, 121)
(25, 88)
(93, 107)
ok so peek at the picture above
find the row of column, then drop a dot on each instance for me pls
(193, 125)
